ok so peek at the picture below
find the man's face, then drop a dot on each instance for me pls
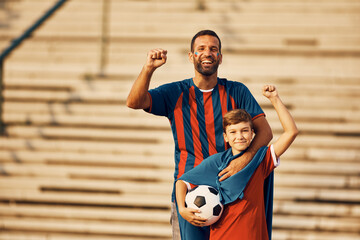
(206, 56)
(239, 136)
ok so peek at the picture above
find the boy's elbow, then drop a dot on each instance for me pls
(294, 132)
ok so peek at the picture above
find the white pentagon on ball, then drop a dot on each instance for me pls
(207, 200)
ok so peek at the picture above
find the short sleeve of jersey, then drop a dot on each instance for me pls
(163, 99)
(270, 162)
(245, 100)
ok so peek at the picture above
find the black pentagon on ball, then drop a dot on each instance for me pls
(217, 210)
(199, 201)
(213, 191)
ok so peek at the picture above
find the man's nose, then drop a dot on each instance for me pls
(207, 52)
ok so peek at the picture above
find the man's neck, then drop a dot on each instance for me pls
(205, 82)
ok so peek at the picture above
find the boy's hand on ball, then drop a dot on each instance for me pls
(189, 215)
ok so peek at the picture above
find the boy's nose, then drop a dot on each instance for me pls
(239, 136)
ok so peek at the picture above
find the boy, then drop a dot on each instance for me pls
(248, 208)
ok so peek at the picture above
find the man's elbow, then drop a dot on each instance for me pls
(269, 134)
(137, 103)
(131, 104)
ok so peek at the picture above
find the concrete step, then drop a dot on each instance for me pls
(109, 173)
(319, 223)
(315, 209)
(97, 186)
(283, 234)
(26, 235)
(86, 213)
(87, 199)
(96, 227)
(82, 159)
(212, 6)
(317, 195)
(122, 135)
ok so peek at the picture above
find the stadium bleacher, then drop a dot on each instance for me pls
(76, 163)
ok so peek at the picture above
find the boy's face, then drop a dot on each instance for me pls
(239, 136)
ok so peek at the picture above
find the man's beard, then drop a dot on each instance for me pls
(206, 71)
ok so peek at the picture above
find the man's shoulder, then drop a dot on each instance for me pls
(185, 83)
(230, 83)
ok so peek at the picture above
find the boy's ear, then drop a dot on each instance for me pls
(225, 137)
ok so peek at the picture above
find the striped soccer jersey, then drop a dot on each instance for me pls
(196, 117)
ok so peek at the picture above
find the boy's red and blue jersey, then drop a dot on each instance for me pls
(196, 117)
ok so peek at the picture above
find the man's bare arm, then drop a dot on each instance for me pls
(138, 97)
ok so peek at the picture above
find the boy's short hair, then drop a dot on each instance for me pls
(236, 116)
(204, 33)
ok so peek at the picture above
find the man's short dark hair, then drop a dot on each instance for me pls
(204, 33)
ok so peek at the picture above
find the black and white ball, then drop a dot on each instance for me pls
(207, 200)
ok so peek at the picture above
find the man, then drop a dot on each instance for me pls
(195, 107)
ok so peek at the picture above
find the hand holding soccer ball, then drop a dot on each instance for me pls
(203, 203)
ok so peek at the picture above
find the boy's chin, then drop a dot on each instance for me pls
(240, 149)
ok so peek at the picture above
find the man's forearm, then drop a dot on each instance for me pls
(137, 97)
(263, 135)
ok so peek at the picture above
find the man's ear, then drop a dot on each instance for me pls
(191, 57)
(220, 60)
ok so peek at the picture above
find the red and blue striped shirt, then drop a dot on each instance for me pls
(196, 117)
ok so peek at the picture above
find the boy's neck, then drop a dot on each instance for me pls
(235, 152)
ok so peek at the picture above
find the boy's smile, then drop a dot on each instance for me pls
(239, 136)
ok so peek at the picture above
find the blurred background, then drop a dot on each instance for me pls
(76, 163)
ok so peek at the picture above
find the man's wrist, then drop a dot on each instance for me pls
(148, 69)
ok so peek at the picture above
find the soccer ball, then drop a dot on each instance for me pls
(207, 200)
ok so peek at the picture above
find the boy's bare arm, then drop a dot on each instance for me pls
(138, 97)
(287, 121)
(187, 213)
